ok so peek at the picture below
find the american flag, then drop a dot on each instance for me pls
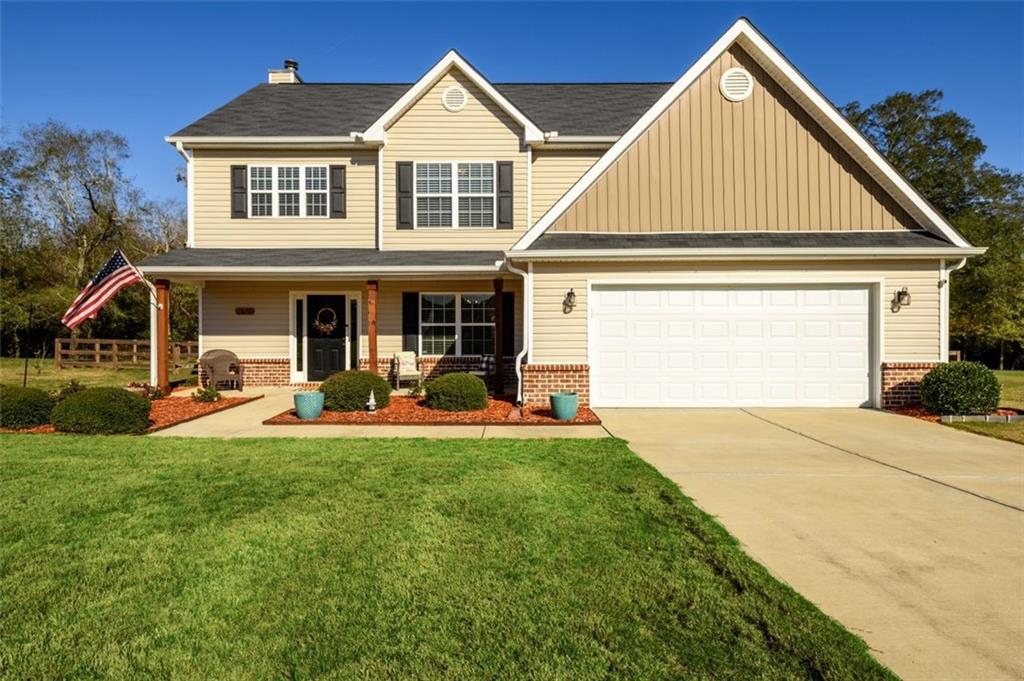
(115, 275)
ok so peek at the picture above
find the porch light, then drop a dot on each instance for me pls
(899, 299)
(569, 302)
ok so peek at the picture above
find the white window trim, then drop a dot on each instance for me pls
(275, 203)
(293, 296)
(458, 324)
(455, 195)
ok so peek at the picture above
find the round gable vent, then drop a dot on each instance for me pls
(736, 84)
(454, 98)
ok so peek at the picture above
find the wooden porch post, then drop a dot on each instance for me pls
(499, 352)
(163, 302)
(371, 322)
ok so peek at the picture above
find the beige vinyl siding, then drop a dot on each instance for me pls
(479, 132)
(554, 172)
(214, 226)
(912, 334)
(265, 334)
(709, 164)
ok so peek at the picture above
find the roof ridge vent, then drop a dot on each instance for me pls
(736, 84)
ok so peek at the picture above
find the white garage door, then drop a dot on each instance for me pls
(726, 346)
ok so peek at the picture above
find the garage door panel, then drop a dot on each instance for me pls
(731, 346)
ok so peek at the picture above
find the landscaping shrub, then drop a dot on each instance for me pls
(960, 388)
(102, 410)
(150, 392)
(67, 390)
(350, 390)
(457, 392)
(207, 394)
(24, 407)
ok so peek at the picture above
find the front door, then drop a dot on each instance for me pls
(326, 332)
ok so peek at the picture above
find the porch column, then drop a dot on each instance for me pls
(499, 352)
(371, 322)
(159, 345)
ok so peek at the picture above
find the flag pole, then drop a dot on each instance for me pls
(142, 278)
(28, 339)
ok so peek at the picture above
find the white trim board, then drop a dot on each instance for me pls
(295, 375)
(806, 94)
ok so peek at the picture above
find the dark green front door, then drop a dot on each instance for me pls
(326, 335)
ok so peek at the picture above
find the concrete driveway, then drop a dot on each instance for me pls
(911, 534)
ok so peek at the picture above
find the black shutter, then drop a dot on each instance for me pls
(403, 193)
(239, 192)
(337, 187)
(508, 323)
(505, 194)
(410, 321)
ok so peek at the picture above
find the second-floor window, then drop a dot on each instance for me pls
(459, 194)
(288, 191)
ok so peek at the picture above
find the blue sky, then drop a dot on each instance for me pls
(147, 69)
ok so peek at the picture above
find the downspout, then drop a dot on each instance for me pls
(944, 298)
(527, 325)
(189, 188)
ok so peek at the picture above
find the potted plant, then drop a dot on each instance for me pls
(564, 405)
(309, 404)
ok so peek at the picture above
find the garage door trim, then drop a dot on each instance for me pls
(876, 296)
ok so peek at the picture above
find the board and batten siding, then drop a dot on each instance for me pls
(554, 172)
(912, 334)
(709, 164)
(265, 334)
(479, 132)
(214, 226)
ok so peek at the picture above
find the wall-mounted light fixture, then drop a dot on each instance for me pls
(900, 298)
(569, 302)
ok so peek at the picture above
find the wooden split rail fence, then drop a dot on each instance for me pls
(105, 352)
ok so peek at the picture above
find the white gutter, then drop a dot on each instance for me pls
(527, 322)
(169, 270)
(742, 253)
(190, 238)
(213, 142)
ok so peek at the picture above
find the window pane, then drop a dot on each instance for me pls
(433, 211)
(438, 340)
(262, 205)
(316, 179)
(316, 204)
(288, 204)
(437, 309)
(476, 211)
(433, 178)
(478, 308)
(261, 178)
(478, 340)
(476, 178)
(288, 179)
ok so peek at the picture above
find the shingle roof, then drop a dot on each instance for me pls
(368, 258)
(337, 109)
(892, 239)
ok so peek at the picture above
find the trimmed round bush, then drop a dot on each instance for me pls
(24, 407)
(102, 410)
(350, 390)
(457, 392)
(960, 388)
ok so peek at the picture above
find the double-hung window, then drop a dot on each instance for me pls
(288, 191)
(457, 323)
(459, 194)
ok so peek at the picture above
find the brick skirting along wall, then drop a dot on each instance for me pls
(901, 382)
(257, 373)
(540, 380)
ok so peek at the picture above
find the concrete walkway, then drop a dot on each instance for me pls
(247, 421)
(911, 534)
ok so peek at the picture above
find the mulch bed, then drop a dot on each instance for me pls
(411, 411)
(170, 411)
(923, 414)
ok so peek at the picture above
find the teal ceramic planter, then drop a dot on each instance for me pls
(565, 405)
(309, 405)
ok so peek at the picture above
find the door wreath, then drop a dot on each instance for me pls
(327, 327)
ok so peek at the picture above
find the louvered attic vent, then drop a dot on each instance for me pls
(454, 98)
(736, 84)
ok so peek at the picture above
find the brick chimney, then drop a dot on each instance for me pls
(289, 74)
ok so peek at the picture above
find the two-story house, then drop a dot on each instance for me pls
(726, 239)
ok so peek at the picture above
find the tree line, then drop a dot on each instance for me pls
(66, 204)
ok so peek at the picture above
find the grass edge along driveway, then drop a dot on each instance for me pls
(130, 557)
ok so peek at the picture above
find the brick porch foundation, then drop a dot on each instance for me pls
(432, 367)
(258, 373)
(540, 380)
(901, 382)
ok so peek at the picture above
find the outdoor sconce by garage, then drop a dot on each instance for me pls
(569, 302)
(900, 298)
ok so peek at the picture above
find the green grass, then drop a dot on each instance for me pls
(43, 374)
(1012, 383)
(1013, 388)
(152, 557)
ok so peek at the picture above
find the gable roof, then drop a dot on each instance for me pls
(805, 94)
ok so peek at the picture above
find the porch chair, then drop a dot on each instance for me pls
(221, 366)
(405, 368)
(485, 371)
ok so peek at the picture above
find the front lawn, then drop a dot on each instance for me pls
(1012, 383)
(145, 557)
